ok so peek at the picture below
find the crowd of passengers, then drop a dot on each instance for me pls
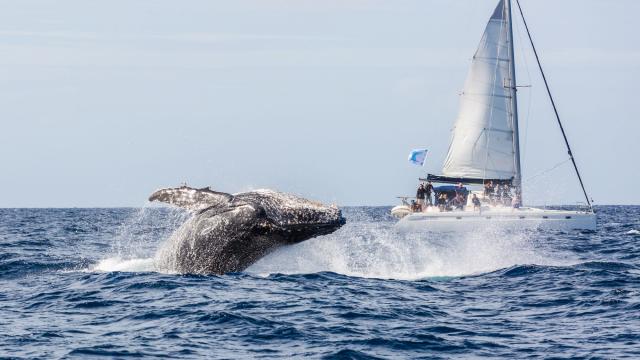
(500, 193)
(494, 194)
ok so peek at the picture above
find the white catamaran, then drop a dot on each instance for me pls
(485, 149)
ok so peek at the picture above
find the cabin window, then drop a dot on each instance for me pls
(567, 217)
(545, 217)
(521, 217)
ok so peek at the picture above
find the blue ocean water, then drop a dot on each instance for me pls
(82, 283)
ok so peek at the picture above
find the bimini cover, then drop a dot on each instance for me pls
(450, 189)
(482, 144)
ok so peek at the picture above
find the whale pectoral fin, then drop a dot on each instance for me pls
(191, 199)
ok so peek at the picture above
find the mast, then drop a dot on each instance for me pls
(555, 110)
(517, 180)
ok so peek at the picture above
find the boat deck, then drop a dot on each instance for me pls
(498, 217)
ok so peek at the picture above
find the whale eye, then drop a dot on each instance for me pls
(261, 212)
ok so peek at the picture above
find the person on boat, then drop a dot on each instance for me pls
(488, 190)
(515, 202)
(414, 206)
(442, 201)
(476, 202)
(504, 190)
(420, 194)
(458, 201)
(506, 195)
(428, 191)
(497, 194)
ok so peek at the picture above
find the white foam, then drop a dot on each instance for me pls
(135, 246)
(633, 232)
(124, 265)
(377, 251)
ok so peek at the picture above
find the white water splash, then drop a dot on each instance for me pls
(633, 232)
(362, 248)
(126, 265)
(376, 250)
(135, 247)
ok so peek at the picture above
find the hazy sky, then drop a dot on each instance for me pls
(102, 102)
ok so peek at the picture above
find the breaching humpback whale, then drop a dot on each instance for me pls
(228, 233)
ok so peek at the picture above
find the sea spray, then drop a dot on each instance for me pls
(367, 246)
(376, 250)
(138, 239)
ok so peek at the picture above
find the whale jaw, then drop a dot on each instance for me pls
(296, 233)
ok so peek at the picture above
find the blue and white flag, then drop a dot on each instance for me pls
(417, 156)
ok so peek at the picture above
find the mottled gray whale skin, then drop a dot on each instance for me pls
(228, 233)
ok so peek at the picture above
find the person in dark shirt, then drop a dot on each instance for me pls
(476, 202)
(488, 189)
(429, 190)
(420, 194)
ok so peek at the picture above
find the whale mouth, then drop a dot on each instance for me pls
(314, 229)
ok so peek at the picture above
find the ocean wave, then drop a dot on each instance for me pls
(95, 289)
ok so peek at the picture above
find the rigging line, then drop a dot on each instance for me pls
(550, 169)
(527, 118)
(555, 110)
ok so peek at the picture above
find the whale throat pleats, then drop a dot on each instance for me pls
(191, 199)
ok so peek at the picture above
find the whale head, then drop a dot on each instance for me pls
(293, 217)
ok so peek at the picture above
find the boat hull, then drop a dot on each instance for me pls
(507, 219)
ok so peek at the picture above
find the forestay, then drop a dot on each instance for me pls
(482, 144)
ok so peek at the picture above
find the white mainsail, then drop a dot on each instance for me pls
(482, 144)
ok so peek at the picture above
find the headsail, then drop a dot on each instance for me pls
(482, 144)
